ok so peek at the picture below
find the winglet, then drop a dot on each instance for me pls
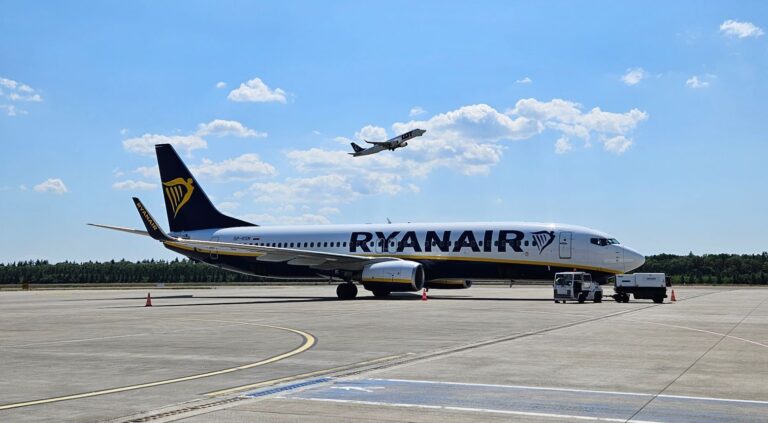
(154, 230)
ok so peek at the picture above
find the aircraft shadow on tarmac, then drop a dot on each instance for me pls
(405, 296)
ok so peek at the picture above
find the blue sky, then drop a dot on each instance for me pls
(646, 121)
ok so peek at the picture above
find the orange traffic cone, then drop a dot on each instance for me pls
(424, 294)
(673, 296)
(149, 301)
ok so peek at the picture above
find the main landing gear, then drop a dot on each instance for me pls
(346, 291)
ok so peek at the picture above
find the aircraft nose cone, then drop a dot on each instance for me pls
(632, 259)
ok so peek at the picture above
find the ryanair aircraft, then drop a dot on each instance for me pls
(382, 258)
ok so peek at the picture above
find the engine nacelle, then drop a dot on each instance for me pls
(403, 144)
(393, 276)
(449, 284)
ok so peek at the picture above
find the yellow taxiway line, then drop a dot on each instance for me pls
(309, 341)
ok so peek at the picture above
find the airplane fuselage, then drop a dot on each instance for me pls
(472, 251)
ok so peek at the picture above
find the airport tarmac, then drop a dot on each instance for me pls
(295, 353)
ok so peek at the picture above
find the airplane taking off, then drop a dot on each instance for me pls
(390, 144)
(383, 258)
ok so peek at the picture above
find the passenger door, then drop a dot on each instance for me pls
(565, 244)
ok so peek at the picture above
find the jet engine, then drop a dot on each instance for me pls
(403, 144)
(448, 284)
(393, 276)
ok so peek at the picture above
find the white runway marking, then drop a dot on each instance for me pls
(584, 391)
(478, 410)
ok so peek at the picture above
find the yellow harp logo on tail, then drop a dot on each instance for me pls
(178, 192)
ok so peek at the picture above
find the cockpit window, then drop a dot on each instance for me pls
(602, 242)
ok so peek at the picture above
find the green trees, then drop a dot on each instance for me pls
(708, 269)
(147, 271)
(711, 268)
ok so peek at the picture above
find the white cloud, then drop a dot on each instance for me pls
(269, 219)
(23, 187)
(563, 145)
(12, 110)
(325, 211)
(617, 145)
(223, 128)
(696, 82)
(416, 111)
(148, 171)
(371, 133)
(525, 80)
(18, 91)
(732, 28)
(256, 90)
(245, 167)
(228, 205)
(633, 76)
(53, 185)
(145, 144)
(568, 118)
(324, 189)
(468, 140)
(221, 85)
(131, 185)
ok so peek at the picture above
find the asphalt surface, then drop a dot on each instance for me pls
(289, 354)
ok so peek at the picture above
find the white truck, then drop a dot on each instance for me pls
(643, 286)
(576, 286)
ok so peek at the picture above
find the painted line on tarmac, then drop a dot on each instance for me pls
(704, 331)
(585, 391)
(309, 341)
(475, 410)
(305, 375)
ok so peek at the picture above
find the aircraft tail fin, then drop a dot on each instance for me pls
(356, 147)
(186, 204)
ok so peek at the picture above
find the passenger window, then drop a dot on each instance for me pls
(526, 243)
(345, 244)
(325, 244)
(480, 244)
(291, 245)
(312, 244)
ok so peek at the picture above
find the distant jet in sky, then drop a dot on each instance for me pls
(390, 144)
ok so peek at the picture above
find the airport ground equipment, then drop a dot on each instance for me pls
(643, 286)
(576, 286)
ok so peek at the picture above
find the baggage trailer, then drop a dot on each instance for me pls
(643, 286)
(576, 286)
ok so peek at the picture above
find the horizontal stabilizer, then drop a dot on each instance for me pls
(121, 229)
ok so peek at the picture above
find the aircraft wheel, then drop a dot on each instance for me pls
(381, 293)
(346, 291)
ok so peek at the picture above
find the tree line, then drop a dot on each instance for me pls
(685, 269)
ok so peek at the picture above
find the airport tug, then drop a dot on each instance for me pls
(576, 286)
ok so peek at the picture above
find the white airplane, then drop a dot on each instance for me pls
(383, 258)
(390, 144)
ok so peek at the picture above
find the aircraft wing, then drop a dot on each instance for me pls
(297, 257)
(382, 143)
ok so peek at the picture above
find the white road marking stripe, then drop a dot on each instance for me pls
(704, 331)
(476, 410)
(586, 391)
